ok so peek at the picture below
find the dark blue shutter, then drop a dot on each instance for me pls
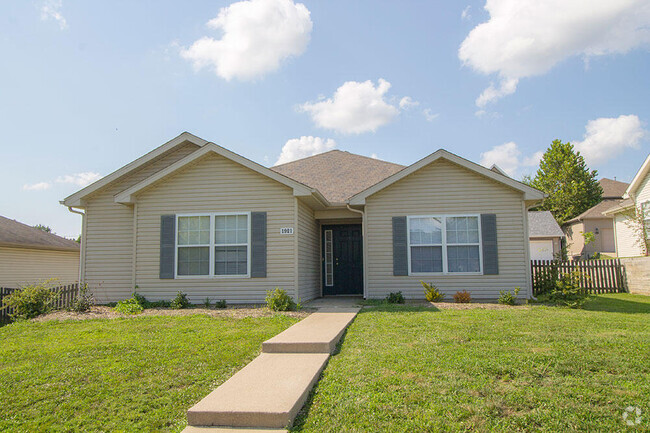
(489, 240)
(400, 247)
(258, 244)
(167, 246)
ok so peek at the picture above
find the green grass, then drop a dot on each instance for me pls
(405, 369)
(132, 374)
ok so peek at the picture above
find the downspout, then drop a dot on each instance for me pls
(365, 247)
(529, 272)
(82, 255)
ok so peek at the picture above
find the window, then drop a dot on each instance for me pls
(329, 259)
(213, 245)
(444, 244)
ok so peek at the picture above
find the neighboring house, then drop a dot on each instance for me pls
(29, 255)
(196, 217)
(545, 236)
(628, 239)
(595, 221)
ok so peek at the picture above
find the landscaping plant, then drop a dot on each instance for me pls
(395, 298)
(462, 297)
(508, 297)
(279, 300)
(30, 301)
(431, 292)
(180, 302)
(567, 291)
(128, 306)
(207, 303)
(84, 300)
(220, 304)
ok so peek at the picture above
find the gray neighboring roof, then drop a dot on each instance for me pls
(15, 234)
(596, 211)
(620, 206)
(338, 175)
(612, 188)
(541, 224)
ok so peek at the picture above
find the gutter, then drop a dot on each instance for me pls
(82, 253)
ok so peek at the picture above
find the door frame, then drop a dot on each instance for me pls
(329, 226)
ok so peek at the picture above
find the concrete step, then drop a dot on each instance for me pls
(317, 333)
(195, 429)
(267, 393)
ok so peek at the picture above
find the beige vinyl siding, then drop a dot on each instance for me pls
(643, 192)
(308, 253)
(108, 237)
(19, 266)
(446, 188)
(211, 185)
(627, 240)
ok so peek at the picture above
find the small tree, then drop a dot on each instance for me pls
(637, 222)
(46, 229)
(571, 187)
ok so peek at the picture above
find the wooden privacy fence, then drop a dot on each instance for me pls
(65, 296)
(597, 276)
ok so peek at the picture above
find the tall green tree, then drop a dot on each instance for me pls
(571, 187)
(44, 228)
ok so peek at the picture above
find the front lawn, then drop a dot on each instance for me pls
(129, 374)
(406, 369)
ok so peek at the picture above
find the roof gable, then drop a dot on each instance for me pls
(337, 174)
(529, 192)
(613, 188)
(128, 196)
(16, 234)
(638, 179)
(75, 200)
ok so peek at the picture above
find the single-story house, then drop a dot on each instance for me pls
(29, 255)
(594, 220)
(196, 217)
(629, 241)
(545, 235)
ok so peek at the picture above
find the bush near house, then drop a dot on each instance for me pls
(180, 302)
(395, 298)
(462, 297)
(279, 300)
(507, 297)
(431, 292)
(30, 301)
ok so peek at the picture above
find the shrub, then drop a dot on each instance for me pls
(279, 300)
(84, 300)
(30, 301)
(128, 306)
(158, 304)
(431, 292)
(220, 304)
(180, 302)
(545, 281)
(140, 299)
(395, 298)
(462, 297)
(567, 291)
(207, 303)
(508, 297)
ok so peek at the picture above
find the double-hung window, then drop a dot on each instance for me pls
(444, 244)
(213, 245)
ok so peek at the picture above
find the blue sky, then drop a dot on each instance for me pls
(87, 87)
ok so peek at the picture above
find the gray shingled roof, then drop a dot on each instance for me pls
(15, 234)
(338, 175)
(541, 224)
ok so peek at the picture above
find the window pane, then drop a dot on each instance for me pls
(231, 260)
(194, 230)
(426, 259)
(193, 261)
(463, 259)
(231, 229)
(462, 230)
(425, 231)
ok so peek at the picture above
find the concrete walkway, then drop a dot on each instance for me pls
(268, 393)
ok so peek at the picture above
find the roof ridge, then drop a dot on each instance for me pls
(341, 151)
(37, 232)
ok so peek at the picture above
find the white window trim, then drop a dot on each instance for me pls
(443, 218)
(212, 246)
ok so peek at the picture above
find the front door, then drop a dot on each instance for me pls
(342, 260)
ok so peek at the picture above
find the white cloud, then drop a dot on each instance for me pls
(607, 137)
(51, 10)
(257, 36)
(79, 179)
(355, 108)
(430, 115)
(464, 15)
(524, 38)
(407, 102)
(298, 148)
(508, 157)
(40, 186)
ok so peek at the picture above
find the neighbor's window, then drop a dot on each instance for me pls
(223, 253)
(444, 244)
